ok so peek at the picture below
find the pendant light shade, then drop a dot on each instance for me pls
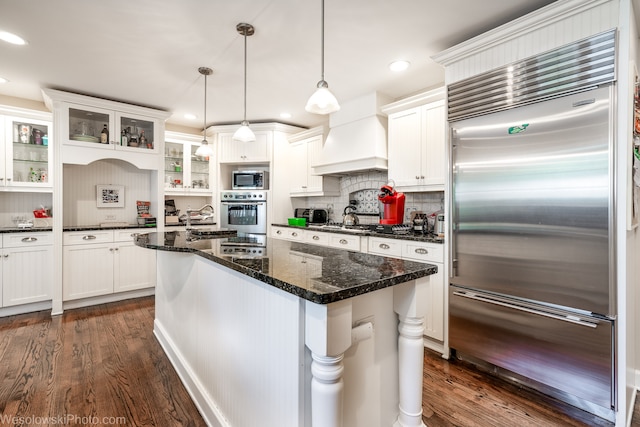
(244, 133)
(205, 149)
(322, 101)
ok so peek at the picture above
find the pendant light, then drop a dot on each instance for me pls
(322, 101)
(244, 133)
(205, 149)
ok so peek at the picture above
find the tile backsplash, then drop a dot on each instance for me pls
(364, 189)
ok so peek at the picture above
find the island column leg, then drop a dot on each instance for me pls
(328, 336)
(409, 304)
(327, 391)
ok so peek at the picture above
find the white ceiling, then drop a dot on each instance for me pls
(147, 52)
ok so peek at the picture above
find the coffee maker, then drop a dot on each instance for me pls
(393, 202)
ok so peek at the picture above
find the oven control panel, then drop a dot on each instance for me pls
(242, 196)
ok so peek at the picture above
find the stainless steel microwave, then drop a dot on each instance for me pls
(250, 180)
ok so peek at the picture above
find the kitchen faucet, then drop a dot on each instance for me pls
(200, 211)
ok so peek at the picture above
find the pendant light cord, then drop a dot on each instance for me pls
(245, 75)
(204, 123)
(322, 43)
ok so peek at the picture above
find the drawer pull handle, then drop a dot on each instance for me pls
(294, 234)
(316, 237)
(30, 239)
(384, 246)
(343, 241)
(278, 232)
(421, 251)
(6, 255)
(89, 237)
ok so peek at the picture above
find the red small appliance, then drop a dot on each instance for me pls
(393, 205)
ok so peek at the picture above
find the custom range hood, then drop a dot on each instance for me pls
(357, 139)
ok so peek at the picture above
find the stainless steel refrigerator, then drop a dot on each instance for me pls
(532, 253)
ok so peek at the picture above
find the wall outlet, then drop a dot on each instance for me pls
(109, 217)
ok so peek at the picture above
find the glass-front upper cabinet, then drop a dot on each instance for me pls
(110, 129)
(185, 172)
(89, 129)
(27, 153)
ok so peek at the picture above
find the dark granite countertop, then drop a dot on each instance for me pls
(409, 236)
(24, 230)
(341, 274)
(97, 227)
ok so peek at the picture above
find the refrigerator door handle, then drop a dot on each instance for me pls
(497, 301)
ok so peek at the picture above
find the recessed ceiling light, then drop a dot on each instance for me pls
(400, 65)
(12, 38)
(190, 116)
(285, 115)
(3, 80)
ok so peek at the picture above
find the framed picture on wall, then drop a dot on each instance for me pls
(110, 196)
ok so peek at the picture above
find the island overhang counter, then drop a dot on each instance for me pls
(301, 335)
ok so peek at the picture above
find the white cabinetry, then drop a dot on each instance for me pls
(287, 233)
(334, 240)
(102, 262)
(305, 149)
(25, 155)
(433, 253)
(27, 267)
(258, 151)
(184, 172)
(81, 120)
(417, 142)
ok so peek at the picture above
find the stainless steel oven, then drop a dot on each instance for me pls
(244, 211)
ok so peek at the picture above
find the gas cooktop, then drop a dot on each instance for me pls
(378, 228)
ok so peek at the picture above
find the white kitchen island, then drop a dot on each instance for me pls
(302, 336)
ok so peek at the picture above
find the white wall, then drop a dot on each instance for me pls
(21, 205)
(80, 181)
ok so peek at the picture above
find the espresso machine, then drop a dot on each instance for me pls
(393, 202)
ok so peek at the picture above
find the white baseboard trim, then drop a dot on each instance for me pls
(207, 408)
(104, 299)
(25, 308)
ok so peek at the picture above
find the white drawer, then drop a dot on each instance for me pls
(127, 235)
(344, 241)
(385, 247)
(24, 239)
(316, 238)
(87, 237)
(420, 251)
(287, 233)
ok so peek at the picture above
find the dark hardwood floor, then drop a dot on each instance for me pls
(92, 366)
(103, 366)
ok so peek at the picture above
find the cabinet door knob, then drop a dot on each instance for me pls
(383, 246)
(278, 232)
(417, 177)
(294, 234)
(6, 255)
(30, 239)
(1, 179)
(421, 176)
(8, 179)
(343, 241)
(316, 237)
(421, 251)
